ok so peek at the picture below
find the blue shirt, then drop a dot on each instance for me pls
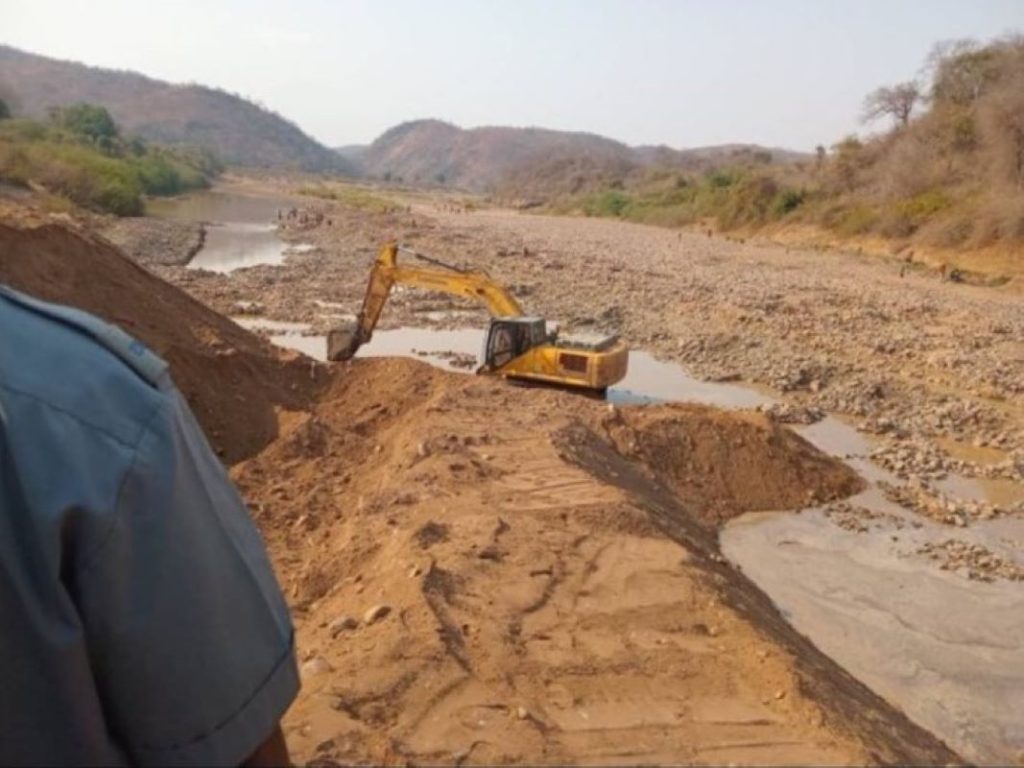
(140, 620)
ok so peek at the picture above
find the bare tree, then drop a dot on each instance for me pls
(897, 102)
(958, 70)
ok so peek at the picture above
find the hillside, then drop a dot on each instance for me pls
(238, 131)
(945, 173)
(521, 161)
(434, 152)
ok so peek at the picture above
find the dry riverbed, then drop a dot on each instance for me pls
(917, 383)
(935, 370)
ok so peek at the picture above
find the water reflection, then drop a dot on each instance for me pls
(241, 229)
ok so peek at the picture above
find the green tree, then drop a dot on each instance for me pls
(5, 111)
(88, 120)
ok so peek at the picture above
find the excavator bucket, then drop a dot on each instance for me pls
(342, 342)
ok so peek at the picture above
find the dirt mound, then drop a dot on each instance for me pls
(233, 380)
(723, 464)
(480, 574)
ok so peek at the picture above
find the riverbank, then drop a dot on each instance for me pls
(152, 241)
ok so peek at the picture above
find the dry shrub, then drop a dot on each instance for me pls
(999, 219)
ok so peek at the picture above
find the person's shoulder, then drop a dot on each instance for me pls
(72, 365)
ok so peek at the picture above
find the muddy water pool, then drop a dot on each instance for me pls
(947, 650)
(241, 229)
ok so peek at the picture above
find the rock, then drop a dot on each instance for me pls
(522, 713)
(375, 614)
(316, 666)
(342, 624)
(248, 308)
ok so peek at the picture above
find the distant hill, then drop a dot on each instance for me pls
(238, 131)
(523, 161)
(435, 152)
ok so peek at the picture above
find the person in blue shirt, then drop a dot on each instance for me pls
(140, 619)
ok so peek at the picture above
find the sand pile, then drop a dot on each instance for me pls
(722, 464)
(233, 380)
(484, 573)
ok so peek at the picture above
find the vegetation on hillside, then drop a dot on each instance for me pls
(948, 170)
(238, 130)
(81, 155)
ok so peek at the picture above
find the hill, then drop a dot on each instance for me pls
(946, 175)
(238, 131)
(435, 152)
(522, 162)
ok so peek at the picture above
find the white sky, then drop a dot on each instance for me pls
(787, 73)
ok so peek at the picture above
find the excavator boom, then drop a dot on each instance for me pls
(477, 285)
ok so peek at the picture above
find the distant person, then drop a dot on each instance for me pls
(142, 623)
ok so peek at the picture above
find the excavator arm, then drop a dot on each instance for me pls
(342, 344)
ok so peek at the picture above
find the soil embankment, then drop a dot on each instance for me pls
(233, 380)
(484, 573)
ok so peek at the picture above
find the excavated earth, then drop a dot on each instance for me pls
(486, 574)
(233, 381)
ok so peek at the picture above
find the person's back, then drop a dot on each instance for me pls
(142, 622)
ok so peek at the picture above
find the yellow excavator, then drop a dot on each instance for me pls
(516, 347)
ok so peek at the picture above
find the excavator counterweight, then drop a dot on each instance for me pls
(517, 346)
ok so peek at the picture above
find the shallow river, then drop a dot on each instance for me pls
(241, 229)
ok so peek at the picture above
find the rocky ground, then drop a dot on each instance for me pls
(154, 241)
(934, 369)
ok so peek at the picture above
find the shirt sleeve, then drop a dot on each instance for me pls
(188, 634)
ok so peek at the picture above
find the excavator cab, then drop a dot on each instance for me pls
(522, 348)
(510, 337)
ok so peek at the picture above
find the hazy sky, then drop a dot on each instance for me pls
(680, 72)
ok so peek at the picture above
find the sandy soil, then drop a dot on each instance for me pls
(490, 574)
(481, 573)
(234, 381)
